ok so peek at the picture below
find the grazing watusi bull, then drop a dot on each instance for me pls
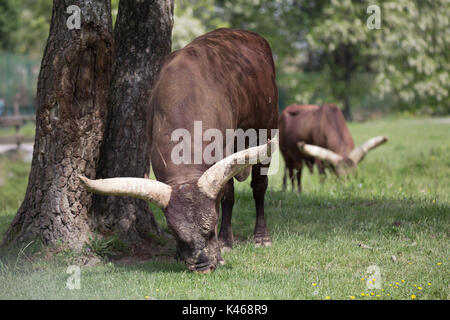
(226, 79)
(311, 134)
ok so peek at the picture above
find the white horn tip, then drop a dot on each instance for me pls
(83, 179)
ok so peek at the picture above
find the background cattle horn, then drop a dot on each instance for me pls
(320, 153)
(360, 152)
(145, 189)
(213, 179)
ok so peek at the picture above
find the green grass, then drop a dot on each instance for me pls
(397, 204)
(27, 130)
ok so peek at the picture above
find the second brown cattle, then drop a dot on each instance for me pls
(311, 134)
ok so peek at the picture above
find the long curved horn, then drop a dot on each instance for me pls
(213, 179)
(360, 152)
(145, 189)
(320, 153)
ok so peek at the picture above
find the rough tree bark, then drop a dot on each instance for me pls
(142, 38)
(71, 110)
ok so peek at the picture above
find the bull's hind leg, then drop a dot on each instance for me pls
(287, 168)
(259, 186)
(291, 177)
(226, 233)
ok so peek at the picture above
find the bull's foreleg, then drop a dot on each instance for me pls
(259, 186)
(226, 233)
(299, 179)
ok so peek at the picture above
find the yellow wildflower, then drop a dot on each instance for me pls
(413, 296)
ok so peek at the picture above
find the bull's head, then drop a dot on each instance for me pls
(191, 209)
(341, 165)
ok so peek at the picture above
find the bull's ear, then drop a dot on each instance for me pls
(360, 152)
(320, 153)
(213, 179)
(145, 189)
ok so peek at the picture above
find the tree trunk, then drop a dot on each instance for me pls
(71, 111)
(143, 38)
(347, 105)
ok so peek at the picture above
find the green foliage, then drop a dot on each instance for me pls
(194, 18)
(34, 18)
(408, 55)
(9, 23)
(413, 53)
(405, 65)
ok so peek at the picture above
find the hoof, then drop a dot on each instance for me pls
(263, 244)
(263, 241)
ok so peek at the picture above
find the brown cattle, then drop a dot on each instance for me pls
(311, 134)
(226, 79)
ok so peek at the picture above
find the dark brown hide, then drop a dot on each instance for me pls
(226, 79)
(322, 126)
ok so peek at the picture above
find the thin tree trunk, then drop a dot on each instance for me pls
(71, 112)
(347, 106)
(143, 39)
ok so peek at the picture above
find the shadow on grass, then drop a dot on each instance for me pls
(318, 217)
(322, 218)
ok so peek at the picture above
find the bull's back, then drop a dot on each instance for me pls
(227, 72)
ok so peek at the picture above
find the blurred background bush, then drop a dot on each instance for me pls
(323, 50)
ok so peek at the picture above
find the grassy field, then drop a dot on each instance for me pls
(393, 214)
